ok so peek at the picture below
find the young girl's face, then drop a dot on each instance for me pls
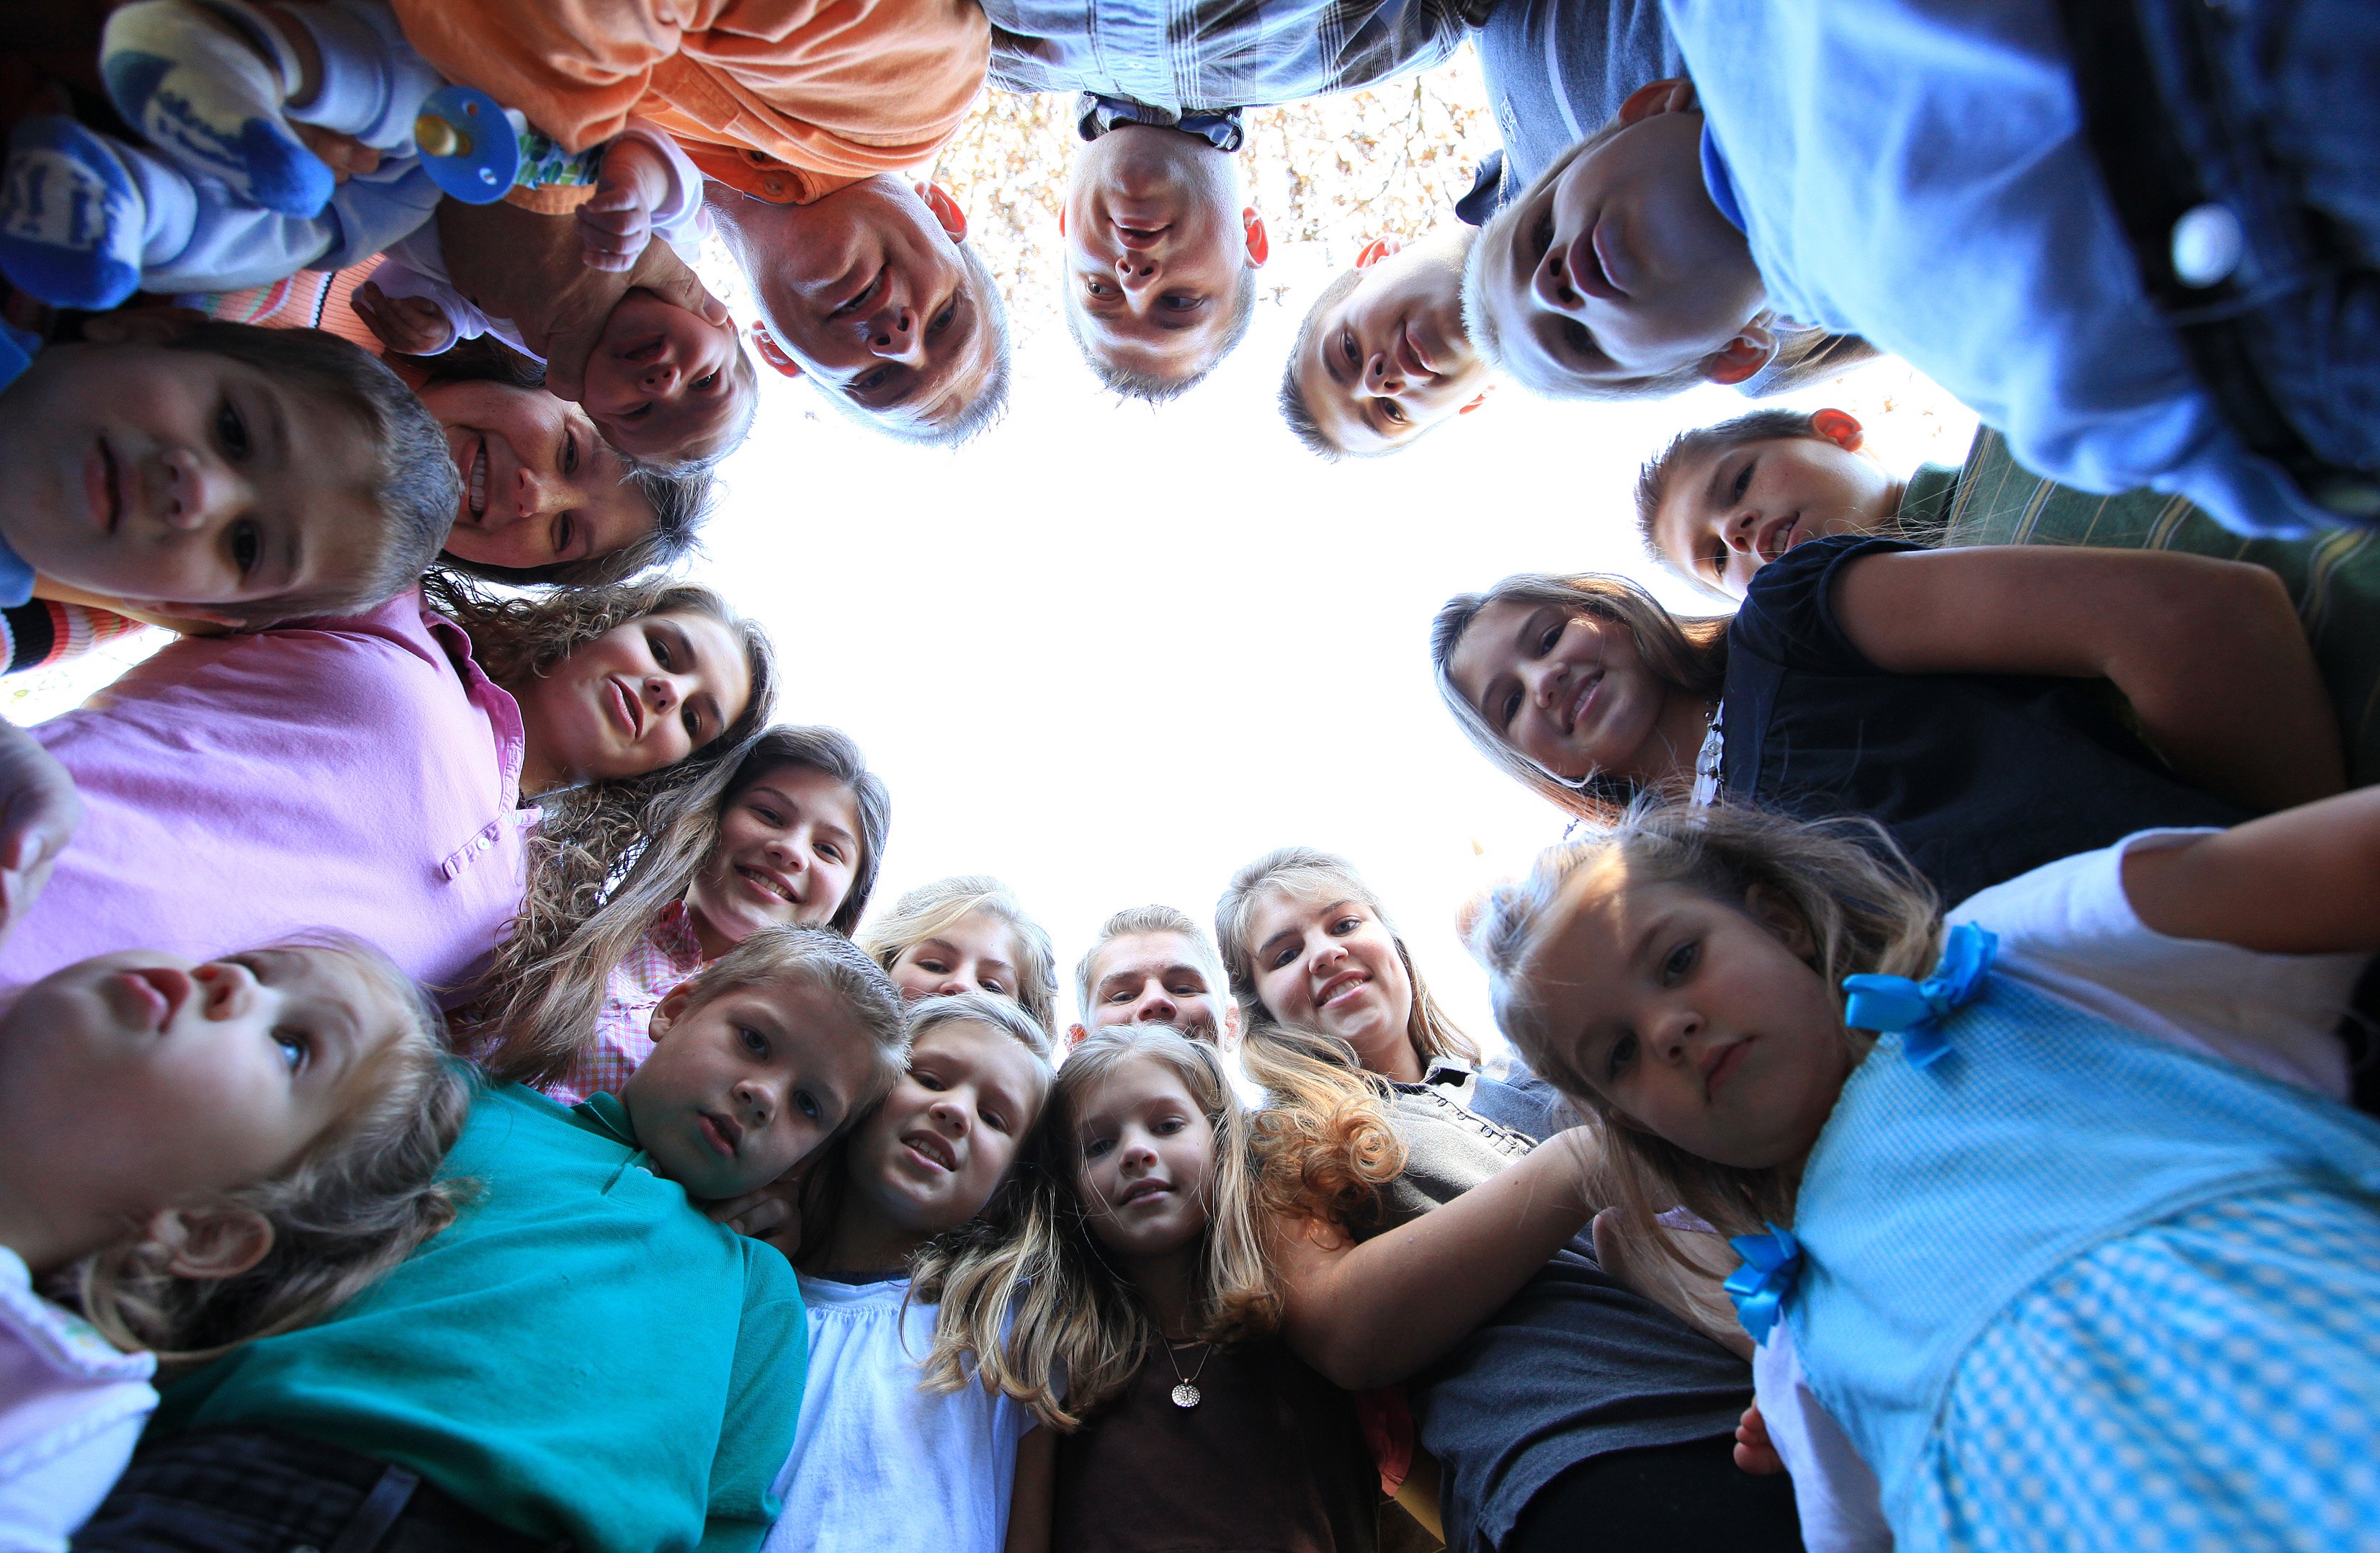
(641, 696)
(1332, 966)
(1697, 1020)
(540, 484)
(977, 954)
(1565, 688)
(1146, 1155)
(944, 1139)
(139, 1080)
(788, 847)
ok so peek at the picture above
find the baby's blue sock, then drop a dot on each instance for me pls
(204, 84)
(80, 215)
(372, 81)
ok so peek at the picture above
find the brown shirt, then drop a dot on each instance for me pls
(1270, 1461)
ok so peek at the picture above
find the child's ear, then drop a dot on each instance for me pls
(1841, 428)
(1378, 249)
(141, 326)
(1773, 911)
(1075, 1034)
(1229, 1036)
(1741, 356)
(765, 345)
(211, 1243)
(946, 210)
(669, 1010)
(1675, 95)
(1479, 401)
(1252, 227)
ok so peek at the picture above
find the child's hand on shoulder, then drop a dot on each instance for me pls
(614, 227)
(409, 325)
(39, 812)
(1753, 1453)
(772, 1213)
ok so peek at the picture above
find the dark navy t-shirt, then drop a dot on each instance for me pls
(1979, 777)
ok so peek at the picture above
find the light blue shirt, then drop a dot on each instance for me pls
(1916, 172)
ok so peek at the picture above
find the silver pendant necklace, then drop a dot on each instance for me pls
(1185, 1389)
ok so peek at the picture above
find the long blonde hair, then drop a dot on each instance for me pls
(1303, 873)
(365, 1194)
(929, 909)
(586, 831)
(548, 975)
(1686, 652)
(1029, 1295)
(1866, 910)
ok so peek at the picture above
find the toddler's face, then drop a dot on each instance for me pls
(788, 846)
(1145, 1156)
(1331, 965)
(1157, 243)
(641, 696)
(1567, 689)
(1698, 1020)
(1725, 516)
(665, 383)
(1391, 359)
(1159, 978)
(142, 1080)
(539, 484)
(1619, 268)
(976, 954)
(939, 1145)
(180, 481)
(745, 1085)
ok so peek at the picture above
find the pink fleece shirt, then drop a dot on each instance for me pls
(357, 773)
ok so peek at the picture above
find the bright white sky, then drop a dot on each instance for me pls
(1110, 652)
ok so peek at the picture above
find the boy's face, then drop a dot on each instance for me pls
(1617, 267)
(743, 1086)
(938, 1148)
(1389, 359)
(666, 383)
(149, 1079)
(540, 484)
(1726, 514)
(1157, 245)
(866, 292)
(1161, 978)
(179, 480)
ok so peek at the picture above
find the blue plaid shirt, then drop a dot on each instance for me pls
(1203, 56)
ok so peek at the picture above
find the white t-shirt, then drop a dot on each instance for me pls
(71, 1408)
(2068, 930)
(879, 1465)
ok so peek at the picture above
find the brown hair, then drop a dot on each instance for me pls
(825, 959)
(363, 1197)
(1687, 652)
(938, 906)
(1303, 423)
(1866, 910)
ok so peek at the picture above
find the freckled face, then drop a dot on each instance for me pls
(1695, 1019)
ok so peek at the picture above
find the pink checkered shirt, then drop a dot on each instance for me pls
(666, 955)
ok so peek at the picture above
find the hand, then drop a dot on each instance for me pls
(409, 325)
(343, 155)
(1752, 1451)
(614, 227)
(773, 1213)
(39, 811)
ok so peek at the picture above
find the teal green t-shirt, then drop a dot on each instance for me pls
(580, 1354)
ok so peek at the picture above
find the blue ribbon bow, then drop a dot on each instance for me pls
(1918, 1008)
(1771, 1264)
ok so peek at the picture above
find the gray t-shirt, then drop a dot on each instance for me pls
(1574, 1367)
(1557, 71)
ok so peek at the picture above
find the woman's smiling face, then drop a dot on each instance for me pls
(1568, 689)
(540, 486)
(641, 696)
(1332, 966)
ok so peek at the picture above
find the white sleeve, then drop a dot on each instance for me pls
(413, 269)
(2069, 929)
(1836, 1495)
(680, 219)
(49, 1489)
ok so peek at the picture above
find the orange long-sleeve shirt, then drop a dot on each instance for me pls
(786, 100)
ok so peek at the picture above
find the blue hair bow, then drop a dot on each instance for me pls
(1917, 1009)
(1771, 1264)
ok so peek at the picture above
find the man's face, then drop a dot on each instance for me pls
(1391, 359)
(1157, 243)
(867, 291)
(1161, 978)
